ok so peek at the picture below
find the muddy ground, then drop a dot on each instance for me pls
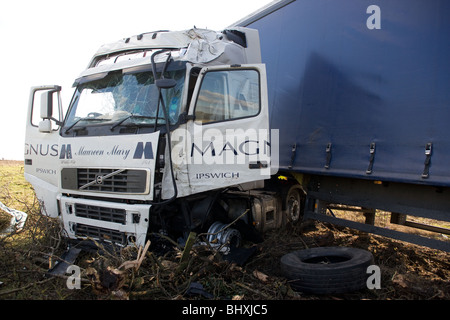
(408, 272)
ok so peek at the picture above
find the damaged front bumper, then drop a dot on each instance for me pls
(118, 223)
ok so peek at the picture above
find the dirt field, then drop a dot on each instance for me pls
(408, 272)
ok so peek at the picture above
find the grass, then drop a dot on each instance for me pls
(24, 254)
(14, 189)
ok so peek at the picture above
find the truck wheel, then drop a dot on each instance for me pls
(294, 203)
(327, 270)
(219, 237)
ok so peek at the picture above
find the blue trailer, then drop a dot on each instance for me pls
(360, 93)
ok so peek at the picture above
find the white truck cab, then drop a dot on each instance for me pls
(159, 126)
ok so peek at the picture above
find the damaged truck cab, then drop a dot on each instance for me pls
(178, 132)
(164, 134)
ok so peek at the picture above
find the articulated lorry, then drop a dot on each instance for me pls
(300, 108)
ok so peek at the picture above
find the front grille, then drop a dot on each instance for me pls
(100, 213)
(131, 181)
(102, 234)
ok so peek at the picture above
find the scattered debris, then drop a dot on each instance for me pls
(202, 272)
(18, 218)
(136, 263)
(196, 288)
(261, 276)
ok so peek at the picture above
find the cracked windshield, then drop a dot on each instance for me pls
(125, 99)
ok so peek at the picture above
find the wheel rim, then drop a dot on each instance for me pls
(294, 206)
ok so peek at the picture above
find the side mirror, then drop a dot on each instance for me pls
(47, 104)
(46, 111)
(45, 125)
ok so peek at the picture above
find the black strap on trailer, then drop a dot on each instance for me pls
(426, 169)
(293, 153)
(328, 159)
(372, 158)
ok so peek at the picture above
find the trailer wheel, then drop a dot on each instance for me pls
(294, 203)
(327, 270)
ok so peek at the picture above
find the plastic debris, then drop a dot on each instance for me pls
(18, 218)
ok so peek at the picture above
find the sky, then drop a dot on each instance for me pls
(50, 42)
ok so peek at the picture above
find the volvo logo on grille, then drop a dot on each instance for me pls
(99, 179)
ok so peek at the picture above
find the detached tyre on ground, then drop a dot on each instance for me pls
(327, 270)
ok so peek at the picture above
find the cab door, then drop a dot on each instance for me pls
(42, 149)
(228, 128)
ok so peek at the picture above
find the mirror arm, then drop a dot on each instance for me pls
(59, 123)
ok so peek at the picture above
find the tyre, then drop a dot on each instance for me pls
(294, 204)
(327, 270)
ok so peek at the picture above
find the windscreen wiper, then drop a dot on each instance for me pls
(82, 119)
(118, 123)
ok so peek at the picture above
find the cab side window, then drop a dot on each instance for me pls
(228, 95)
